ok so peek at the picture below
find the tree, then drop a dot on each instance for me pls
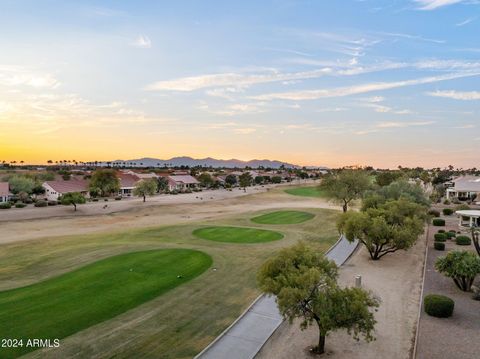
(231, 180)
(72, 198)
(345, 186)
(259, 179)
(20, 183)
(205, 179)
(392, 226)
(104, 182)
(394, 191)
(245, 179)
(475, 238)
(276, 179)
(384, 178)
(461, 266)
(305, 283)
(162, 184)
(145, 188)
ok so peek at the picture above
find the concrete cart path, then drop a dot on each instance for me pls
(246, 336)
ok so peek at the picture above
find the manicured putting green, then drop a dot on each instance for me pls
(237, 234)
(283, 217)
(306, 192)
(63, 305)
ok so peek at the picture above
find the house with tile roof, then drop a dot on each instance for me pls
(182, 182)
(55, 189)
(128, 182)
(5, 194)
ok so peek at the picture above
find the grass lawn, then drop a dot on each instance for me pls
(237, 234)
(305, 192)
(283, 217)
(76, 300)
(180, 322)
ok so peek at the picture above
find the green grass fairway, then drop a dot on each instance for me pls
(283, 217)
(237, 234)
(63, 305)
(305, 192)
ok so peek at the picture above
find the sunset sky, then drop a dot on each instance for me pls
(382, 83)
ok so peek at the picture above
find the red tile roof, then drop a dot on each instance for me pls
(74, 185)
(183, 179)
(4, 189)
(127, 180)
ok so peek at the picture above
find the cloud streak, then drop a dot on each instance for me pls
(457, 95)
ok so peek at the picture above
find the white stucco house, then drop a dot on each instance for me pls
(5, 194)
(469, 218)
(465, 188)
(55, 189)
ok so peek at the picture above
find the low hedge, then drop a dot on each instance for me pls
(447, 211)
(434, 213)
(438, 222)
(451, 235)
(118, 198)
(463, 241)
(20, 205)
(440, 237)
(439, 246)
(41, 203)
(441, 231)
(52, 203)
(5, 205)
(438, 305)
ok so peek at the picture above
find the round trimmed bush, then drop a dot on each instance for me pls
(447, 211)
(52, 203)
(441, 231)
(20, 205)
(438, 222)
(438, 305)
(434, 213)
(451, 235)
(463, 241)
(5, 205)
(439, 246)
(440, 237)
(41, 203)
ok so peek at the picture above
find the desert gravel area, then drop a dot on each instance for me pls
(455, 337)
(396, 279)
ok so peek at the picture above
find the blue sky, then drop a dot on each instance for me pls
(332, 83)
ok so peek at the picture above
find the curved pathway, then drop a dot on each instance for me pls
(244, 338)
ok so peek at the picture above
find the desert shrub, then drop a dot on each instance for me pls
(440, 237)
(441, 231)
(28, 201)
(118, 198)
(462, 207)
(447, 211)
(94, 199)
(105, 199)
(434, 213)
(52, 203)
(41, 203)
(447, 202)
(450, 235)
(439, 246)
(20, 205)
(438, 222)
(463, 241)
(5, 205)
(438, 305)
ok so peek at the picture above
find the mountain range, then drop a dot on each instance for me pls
(206, 162)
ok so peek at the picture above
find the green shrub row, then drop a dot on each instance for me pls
(463, 241)
(438, 222)
(447, 211)
(439, 246)
(440, 237)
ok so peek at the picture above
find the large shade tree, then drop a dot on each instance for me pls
(305, 283)
(345, 186)
(104, 182)
(72, 198)
(392, 226)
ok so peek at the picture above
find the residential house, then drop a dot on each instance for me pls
(127, 183)
(182, 182)
(4, 192)
(55, 189)
(464, 188)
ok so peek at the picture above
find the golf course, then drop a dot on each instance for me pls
(152, 288)
(309, 191)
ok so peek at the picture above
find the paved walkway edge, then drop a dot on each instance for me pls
(340, 252)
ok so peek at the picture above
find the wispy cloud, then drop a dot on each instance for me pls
(457, 95)
(245, 131)
(142, 41)
(466, 21)
(435, 4)
(357, 89)
(20, 76)
(386, 125)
